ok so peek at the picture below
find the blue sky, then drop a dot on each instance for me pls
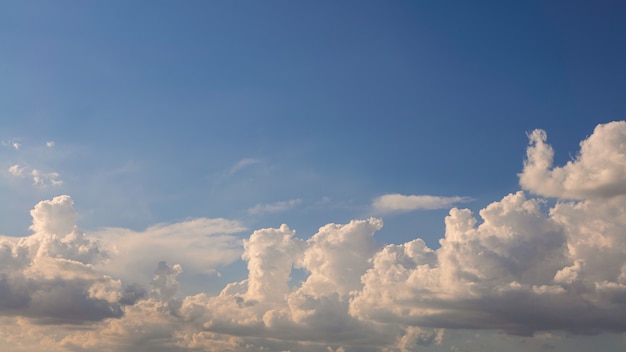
(297, 113)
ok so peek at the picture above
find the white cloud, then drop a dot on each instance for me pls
(50, 144)
(401, 203)
(12, 143)
(243, 163)
(599, 170)
(274, 207)
(198, 245)
(40, 179)
(43, 179)
(16, 170)
(518, 266)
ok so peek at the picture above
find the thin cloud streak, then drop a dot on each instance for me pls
(391, 203)
(274, 207)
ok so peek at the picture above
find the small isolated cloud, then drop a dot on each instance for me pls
(43, 179)
(16, 170)
(50, 144)
(391, 203)
(242, 164)
(12, 143)
(274, 207)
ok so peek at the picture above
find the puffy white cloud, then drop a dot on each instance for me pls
(274, 207)
(521, 266)
(599, 170)
(49, 276)
(50, 144)
(389, 203)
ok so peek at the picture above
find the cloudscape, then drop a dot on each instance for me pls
(332, 177)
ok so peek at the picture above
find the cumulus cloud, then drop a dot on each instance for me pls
(389, 203)
(274, 207)
(522, 265)
(49, 275)
(598, 171)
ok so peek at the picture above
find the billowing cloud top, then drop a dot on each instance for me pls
(599, 170)
(519, 266)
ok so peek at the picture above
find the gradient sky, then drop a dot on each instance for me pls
(172, 131)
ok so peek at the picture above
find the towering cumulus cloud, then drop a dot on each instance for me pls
(520, 266)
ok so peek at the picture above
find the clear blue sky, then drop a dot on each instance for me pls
(304, 113)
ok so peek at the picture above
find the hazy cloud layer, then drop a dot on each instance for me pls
(519, 266)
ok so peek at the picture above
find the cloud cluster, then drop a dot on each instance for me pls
(520, 266)
(49, 275)
(39, 177)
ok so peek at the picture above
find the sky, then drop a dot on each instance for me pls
(336, 176)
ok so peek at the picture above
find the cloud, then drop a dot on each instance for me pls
(12, 143)
(389, 203)
(521, 265)
(598, 171)
(49, 276)
(243, 163)
(40, 179)
(198, 245)
(43, 179)
(274, 207)
(50, 144)
(16, 170)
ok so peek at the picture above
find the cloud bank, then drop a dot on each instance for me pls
(519, 266)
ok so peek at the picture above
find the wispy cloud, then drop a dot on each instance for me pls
(50, 144)
(243, 163)
(40, 178)
(43, 179)
(391, 203)
(12, 143)
(16, 170)
(274, 207)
